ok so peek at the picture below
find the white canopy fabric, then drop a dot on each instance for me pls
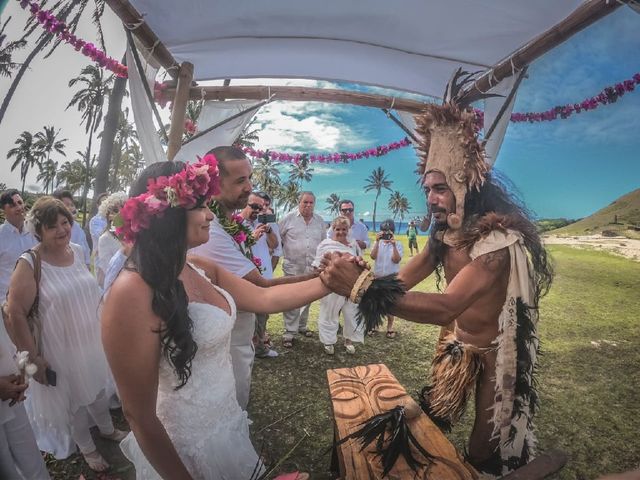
(410, 45)
(213, 112)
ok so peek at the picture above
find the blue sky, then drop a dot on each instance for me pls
(566, 168)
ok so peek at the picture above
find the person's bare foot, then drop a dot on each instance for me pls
(96, 462)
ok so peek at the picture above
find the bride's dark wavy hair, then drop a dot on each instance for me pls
(159, 255)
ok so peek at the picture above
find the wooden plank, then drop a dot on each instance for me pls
(359, 393)
(304, 94)
(179, 109)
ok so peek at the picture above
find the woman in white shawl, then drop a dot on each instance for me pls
(332, 304)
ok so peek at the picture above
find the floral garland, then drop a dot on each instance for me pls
(337, 157)
(240, 233)
(195, 184)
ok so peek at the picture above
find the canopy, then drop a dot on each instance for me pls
(410, 45)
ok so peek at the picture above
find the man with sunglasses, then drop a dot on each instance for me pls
(358, 230)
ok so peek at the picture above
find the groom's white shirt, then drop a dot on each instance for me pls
(222, 249)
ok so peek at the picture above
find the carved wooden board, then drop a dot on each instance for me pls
(359, 393)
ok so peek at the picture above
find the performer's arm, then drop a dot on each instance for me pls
(472, 282)
(417, 269)
(133, 352)
(252, 298)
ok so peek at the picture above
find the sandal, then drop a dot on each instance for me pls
(287, 343)
(96, 461)
(391, 334)
(306, 333)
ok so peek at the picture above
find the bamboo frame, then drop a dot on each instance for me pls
(179, 109)
(586, 14)
(133, 21)
(304, 94)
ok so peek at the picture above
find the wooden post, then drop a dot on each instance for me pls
(179, 109)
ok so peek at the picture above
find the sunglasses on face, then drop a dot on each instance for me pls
(346, 210)
(255, 206)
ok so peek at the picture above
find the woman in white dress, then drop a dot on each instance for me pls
(108, 243)
(166, 329)
(333, 304)
(69, 341)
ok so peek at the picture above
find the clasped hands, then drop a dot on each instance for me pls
(12, 388)
(339, 271)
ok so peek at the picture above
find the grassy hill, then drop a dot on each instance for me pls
(619, 217)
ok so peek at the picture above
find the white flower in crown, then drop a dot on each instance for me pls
(172, 196)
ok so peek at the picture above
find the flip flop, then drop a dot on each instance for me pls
(391, 334)
(287, 343)
(306, 333)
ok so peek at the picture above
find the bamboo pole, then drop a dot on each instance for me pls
(586, 14)
(134, 22)
(179, 108)
(303, 94)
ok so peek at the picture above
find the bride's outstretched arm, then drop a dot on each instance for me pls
(132, 345)
(251, 298)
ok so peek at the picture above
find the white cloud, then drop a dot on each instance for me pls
(324, 170)
(366, 214)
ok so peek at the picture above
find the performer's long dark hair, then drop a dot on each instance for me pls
(495, 197)
(159, 255)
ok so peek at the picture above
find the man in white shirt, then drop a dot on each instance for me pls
(358, 230)
(276, 252)
(77, 234)
(266, 240)
(301, 232)
(14, 239)
(235, 188)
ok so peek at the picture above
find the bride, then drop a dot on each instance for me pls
(166, 329)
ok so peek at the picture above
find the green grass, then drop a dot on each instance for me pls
(589, 392)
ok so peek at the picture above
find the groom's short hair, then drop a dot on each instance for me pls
(225, 154)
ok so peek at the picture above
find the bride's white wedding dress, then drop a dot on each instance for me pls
(203, 419)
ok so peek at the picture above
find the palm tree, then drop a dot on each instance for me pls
(47, 142)
(289, 195)
(89, 102)
(27, 155)
(377, 180)
(265, 172)
(61, 9)
(74, 174)
(334, 204)
(249, 136)
(131, 163)
(300, 171)
(125, 136)
(7, 49)
(399, 205)
(47, 175)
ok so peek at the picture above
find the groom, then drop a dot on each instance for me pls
(235, 188)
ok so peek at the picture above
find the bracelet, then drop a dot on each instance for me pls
(361, 285)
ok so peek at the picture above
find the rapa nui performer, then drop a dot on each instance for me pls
(496, 269)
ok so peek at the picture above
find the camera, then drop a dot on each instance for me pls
(386, 236)
(267, 218)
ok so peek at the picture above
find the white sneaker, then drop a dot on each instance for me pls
(271, 353)
(329, 349)
(351, 349)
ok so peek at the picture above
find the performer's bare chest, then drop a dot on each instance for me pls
(454, 261)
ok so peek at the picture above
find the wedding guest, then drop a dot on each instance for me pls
(72, 371)
(14, 238)
(97, 224)
(301, 231)
(387, 253)
(172, 321)
(333, 304)
(19, 454)
(78, 235)
(276, 252)
(108, 243)
(357, 230)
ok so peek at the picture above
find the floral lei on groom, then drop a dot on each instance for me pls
(240, 233)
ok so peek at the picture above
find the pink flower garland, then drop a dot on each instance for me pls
(50, 23)
(337, 157)
(196, 183)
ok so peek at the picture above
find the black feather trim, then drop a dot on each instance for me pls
(392, 437)
(443, 424)
(378, 301)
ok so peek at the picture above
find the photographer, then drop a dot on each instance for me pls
(387, 253)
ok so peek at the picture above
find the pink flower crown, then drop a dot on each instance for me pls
(195, 184)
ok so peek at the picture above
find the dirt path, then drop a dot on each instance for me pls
(625, 247)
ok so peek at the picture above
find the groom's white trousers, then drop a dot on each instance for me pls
(242, 355)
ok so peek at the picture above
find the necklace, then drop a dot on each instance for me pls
(240, 233)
